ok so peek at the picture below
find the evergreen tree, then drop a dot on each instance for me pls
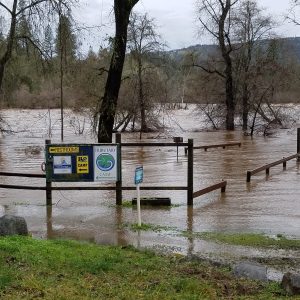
(65, 40)
(49, 46)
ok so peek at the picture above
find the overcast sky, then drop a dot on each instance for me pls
(175, 19)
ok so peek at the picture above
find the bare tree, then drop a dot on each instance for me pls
(215, 19)
(108, 104)
(250, 27)
(273, 72)
(293, 12)
(142, 42)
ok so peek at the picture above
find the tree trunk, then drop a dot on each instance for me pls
(245, 107)
(230, 103)
(226, 50)
(144, 127)
(107, 111)
(2, 66)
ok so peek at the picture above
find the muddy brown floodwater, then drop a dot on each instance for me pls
(269, 205)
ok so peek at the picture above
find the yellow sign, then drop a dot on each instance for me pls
(64, 150)
(82, 164)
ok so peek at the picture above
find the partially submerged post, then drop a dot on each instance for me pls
(177, 140)
(248, 176)
(119, 182)
(48, 180)
(190, 179)
(298, 143)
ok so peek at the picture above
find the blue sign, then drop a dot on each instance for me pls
(139, 174)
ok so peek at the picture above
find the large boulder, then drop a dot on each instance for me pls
(250, 270)
(12, 225)
(291, 283)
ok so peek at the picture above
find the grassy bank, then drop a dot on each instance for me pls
(248, 239)
(72, 270)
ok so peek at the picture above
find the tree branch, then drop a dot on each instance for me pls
(4, 6)
(29, 6)
(208, 70)
(25, 37)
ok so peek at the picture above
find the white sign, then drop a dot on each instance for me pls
(105, 163)
(62, 165)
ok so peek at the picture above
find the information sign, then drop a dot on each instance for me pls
(105, 163)
(62, 165)
(82, 164)
(63, 149)
(139, 175)
(86, 162)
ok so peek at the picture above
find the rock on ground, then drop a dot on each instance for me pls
(13, 225)
(250, 270)
(291, 283)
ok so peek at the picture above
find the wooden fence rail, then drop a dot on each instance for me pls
(22, 187)
(10, 174)
(81, 188)
(214, 146)
(268, 166)
(222, 185)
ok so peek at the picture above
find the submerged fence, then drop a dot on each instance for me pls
(189, 187)
(282, 161)
(214, 146)
(273, 164)
(118, 187)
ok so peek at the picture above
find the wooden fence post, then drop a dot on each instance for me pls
(48, 182)
(119, 182)
(284, 164)
(190, 179)
(298, 143)
(248, 176)
(223, 188)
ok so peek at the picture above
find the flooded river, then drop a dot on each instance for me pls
(269, 205)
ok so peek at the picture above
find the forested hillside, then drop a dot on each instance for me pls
(32, 80)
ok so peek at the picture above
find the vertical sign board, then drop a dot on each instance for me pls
(138, 179)
(106, 163)
(82, 162)
(139, 175)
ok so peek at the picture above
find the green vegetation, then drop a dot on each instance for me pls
(248, 239)
(147, 227)
(151, 227)
(127, 203)
(72, 270)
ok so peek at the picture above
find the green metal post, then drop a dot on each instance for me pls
(119, 182)
(48, 181)
(298, 143)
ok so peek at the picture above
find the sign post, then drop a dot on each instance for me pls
(138, 179)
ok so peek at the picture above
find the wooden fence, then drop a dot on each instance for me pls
(273, 164)
(119, 186)
(214, 146)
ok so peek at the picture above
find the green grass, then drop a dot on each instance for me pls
(71, 270)
(248, 239)
(150, 227)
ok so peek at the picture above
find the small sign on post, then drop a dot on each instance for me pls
(138, 179)
(177, 140)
